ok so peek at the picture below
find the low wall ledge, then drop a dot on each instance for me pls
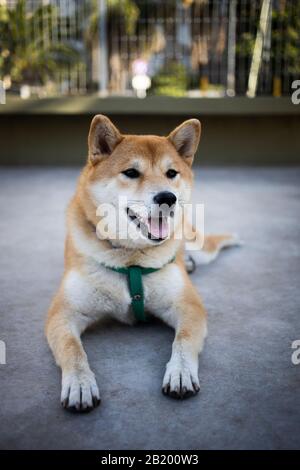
(154, 105)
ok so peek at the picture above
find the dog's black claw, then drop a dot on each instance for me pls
(96, 401)
(180, 393)
(86, 409)
(183, 392)
(175, 393)
(80, 407)
(188, 394)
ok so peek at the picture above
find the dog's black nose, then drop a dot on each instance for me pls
(165, 197)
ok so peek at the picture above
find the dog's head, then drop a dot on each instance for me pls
(139, 183)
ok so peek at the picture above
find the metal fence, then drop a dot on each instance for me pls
(171, 47)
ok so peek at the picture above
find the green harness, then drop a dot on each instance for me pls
(135, 283)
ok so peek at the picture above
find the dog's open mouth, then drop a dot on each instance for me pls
(154, 228)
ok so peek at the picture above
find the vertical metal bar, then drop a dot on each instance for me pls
(231, 49)
(287, 41)
(267, 56)
(103, 54)
(258, 48)
(277, 78)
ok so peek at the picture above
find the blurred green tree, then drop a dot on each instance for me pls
(27, 53)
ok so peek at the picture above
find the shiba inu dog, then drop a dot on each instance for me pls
(105, 264)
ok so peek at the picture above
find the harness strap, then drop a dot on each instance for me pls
(135, 284)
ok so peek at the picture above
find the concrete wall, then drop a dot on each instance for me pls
(236, 131)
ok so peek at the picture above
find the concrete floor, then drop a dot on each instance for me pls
(250, 388)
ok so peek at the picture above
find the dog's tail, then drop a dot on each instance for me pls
(201, 249)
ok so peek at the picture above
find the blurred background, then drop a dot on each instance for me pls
(231, 63)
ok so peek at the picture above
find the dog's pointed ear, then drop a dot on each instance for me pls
(185, 139)
(103, 138)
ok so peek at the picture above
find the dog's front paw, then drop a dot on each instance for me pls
(79, 391)
(180, 380)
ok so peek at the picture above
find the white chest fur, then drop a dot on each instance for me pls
(103, 292)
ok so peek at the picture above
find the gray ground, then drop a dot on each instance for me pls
(250, 394)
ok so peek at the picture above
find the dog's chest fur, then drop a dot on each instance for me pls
(96, 292)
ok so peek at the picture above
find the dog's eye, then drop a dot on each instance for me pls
(171, 173)
(131, 173)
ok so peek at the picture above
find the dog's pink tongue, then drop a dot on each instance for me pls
(159, 227)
